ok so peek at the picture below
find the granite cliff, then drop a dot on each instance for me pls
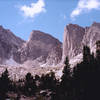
(41, 50)
(75, 37)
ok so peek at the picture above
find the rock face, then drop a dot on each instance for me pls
(43, 49)
(55, 56)
(40, 47)
(75, 37)
(9, 44)
(92, 35)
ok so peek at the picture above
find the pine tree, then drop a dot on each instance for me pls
(66, 74)
(4, 83)
(48, 81)
(98, 50)
(86, 76)
(86, 54)
(66, 81)
(30, 85)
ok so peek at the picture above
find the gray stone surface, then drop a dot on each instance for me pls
(9, 44)
(38, 47)
(76, 36)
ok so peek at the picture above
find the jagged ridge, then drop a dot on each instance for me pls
(76, 36)
(39, 46)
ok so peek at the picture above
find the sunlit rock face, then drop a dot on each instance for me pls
(92, 35)
(75, 37)
(41, 51)
(42, 46)
(55, 56)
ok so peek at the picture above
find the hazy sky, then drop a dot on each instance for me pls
(50, 16)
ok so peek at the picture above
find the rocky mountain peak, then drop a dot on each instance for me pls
(96, 24)
(35, 34)
(37, 49)
(76, 36)
(74, 28)
(92, 35)
(38, 46)
(9, 44)
(43, 49)
(73, 35)
(72, 25)
(9, 38)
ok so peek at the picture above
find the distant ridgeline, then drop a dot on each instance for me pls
(42, 49)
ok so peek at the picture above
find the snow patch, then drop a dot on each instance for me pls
(59, 73)
(11, 62)
(75, 60)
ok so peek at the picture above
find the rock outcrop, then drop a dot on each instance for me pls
(40, 45)
(9, 44)
(75, 37)
(40, 48)
(43, 50)
(55, 56)
(92, 35)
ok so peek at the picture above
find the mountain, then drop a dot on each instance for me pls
(75, 37)
(92, 35)
(40, 48)
(9, 44)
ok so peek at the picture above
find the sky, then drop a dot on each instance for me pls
(49, 16)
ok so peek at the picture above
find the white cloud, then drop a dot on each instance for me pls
(34, 9)
(84, 6)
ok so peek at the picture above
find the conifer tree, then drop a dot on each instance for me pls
(66, 74)
(4, 83)
(98, 50)
(48, 81)
(30, 85)
(65, 86)
(86, 54)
